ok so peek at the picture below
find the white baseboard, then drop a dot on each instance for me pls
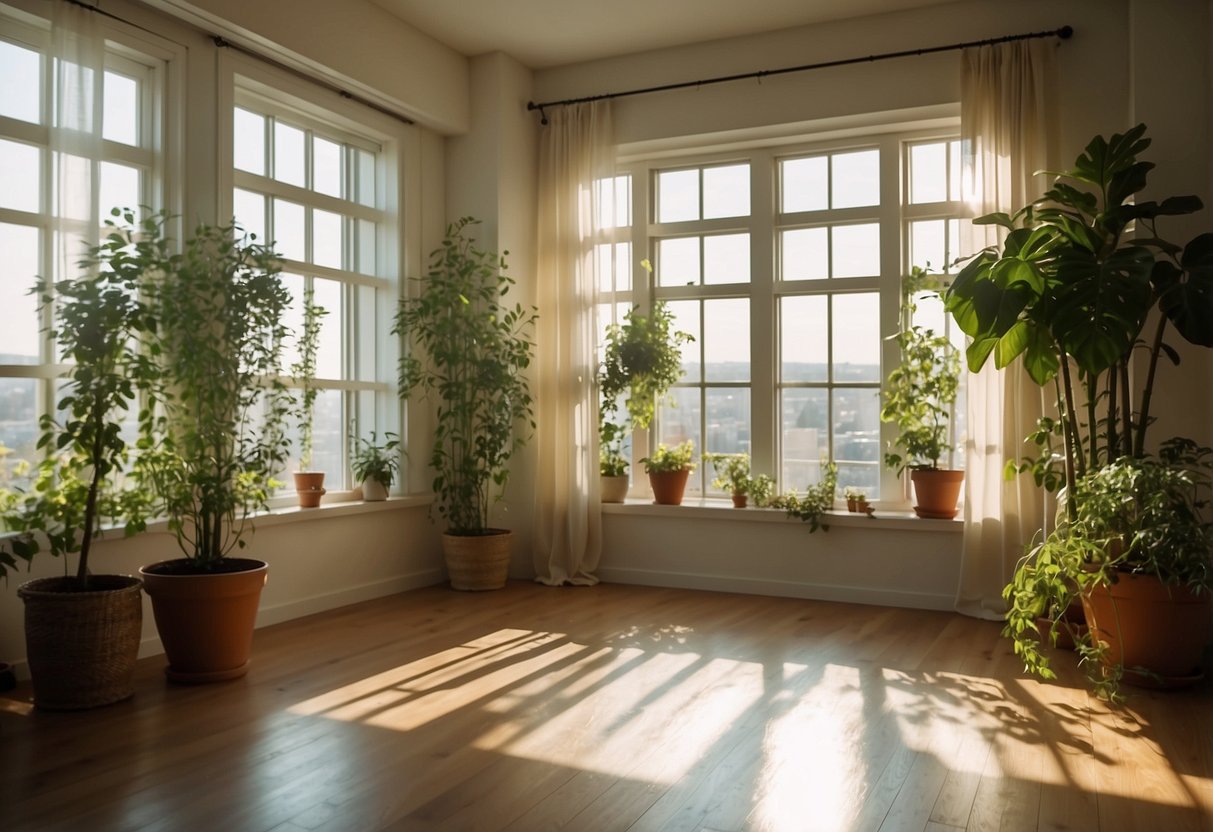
(783, 589)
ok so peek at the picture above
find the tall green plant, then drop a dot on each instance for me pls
(471, 352)
(216, 435)
(304, 371)
(101, 323)
(920, 392)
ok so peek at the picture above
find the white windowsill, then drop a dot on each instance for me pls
(720, 510)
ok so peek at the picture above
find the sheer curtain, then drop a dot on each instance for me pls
(78, 55)
(1007, 135)
(576, 151)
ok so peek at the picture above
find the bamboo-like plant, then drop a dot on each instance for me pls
(304, 371)
(471, 352)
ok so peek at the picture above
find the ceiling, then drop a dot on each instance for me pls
(547, 33)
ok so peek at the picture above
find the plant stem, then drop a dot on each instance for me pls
(1074, 455)
(1139, 445)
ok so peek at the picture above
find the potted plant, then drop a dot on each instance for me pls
(1070, 290)
(918, 396)
(643, 360)
(732, 475)
(213, 435)
(668, 469)
(375, 465)
(817, 500)
(83, 630)
(471, 352)
(309, 484)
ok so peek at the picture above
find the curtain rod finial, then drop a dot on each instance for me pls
(1065, 32)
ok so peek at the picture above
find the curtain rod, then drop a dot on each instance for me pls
(1064, 32)
(223, 43)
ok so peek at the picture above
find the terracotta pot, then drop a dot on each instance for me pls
(740, 500)
(1157, 632)
(206, 620)
(669, 486)
(309, 485)
(82, 646)
(373, 491)
(614, 489)
(936, 491)
(852, 504)
(478, 562)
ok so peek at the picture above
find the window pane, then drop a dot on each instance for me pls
(678, 261)
(120, 104)
(954, 171)
(18, 428)
(805, 254)
(928, 172)
(804, 418)
(288, 155)
(365, 170)
(856, 250)
(326, 238)
(856, 179)
(289, 232)
(19, 167)
(614, 264)
(856, 336)
(20, 83)
(927, 245)
(367, 260)
(19, 339)
(119, 187)
(805, 184)
(685, 314)
(327, 294)
(726, 191)
(326, 166)
(248, 208)
(74, 110)
(726, 259)
(74, 190)
(328, 438)
(248, 145)
(857, 439)
(803, 337)
(680, 421)
(728, 422)
(930, 312)
(678, 195)
(726, 339)
(614, 201)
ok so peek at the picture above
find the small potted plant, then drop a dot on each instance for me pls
(309, 484)
(817, 500)
(643, 360)
(918, 396)
(852, 496)
(732, 475)
(375, 465)
(668, 469)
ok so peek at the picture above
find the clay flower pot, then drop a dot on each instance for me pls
(669, 486)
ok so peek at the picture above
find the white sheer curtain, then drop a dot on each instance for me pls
(576, 151)
(78, 55)
(1007, 132)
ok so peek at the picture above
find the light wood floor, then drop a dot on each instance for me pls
(615, 708)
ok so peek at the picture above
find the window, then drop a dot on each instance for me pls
(320, 188)
(126, 169)
(784, 263)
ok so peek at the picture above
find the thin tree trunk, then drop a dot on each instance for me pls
(1074, 456)
(1139, 445)
(1113, 436)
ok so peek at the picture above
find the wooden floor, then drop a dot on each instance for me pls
(614, 708)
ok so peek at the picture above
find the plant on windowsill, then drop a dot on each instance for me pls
(471, 352)
(817, 500)
(309, 484)
(375, 465)
(918, 396)
(82, 631)
(212, 434)
(668, 469)
(733, 475)
(643, 360)
(1071, 291)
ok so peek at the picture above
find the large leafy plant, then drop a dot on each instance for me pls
(214, 434)
(471, 352)
(101, 322)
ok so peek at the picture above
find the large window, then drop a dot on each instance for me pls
(321, 189)
(785, 263)
(38, 219)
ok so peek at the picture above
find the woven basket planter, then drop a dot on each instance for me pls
(478, 562)
(82, 646)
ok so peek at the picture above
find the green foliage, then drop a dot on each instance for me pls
(919, 393)
(762, 490)
(100, 322)
(818, 499)
(212, 433)
(733, 475)
(472, 352)
(304, 371)
(611, 463)
(378, 462)
(666, 459)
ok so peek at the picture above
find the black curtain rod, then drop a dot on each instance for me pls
(223, 43)
(1065, 32)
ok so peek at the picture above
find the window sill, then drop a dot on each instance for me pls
(719, 510)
